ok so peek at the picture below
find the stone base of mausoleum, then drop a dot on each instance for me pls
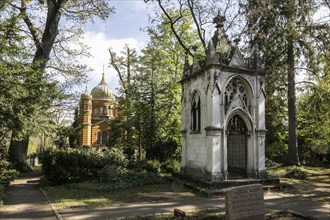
(214, 188)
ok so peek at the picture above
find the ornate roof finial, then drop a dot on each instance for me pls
(219, 20)
(236, 41)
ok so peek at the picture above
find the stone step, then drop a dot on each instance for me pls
(217, 189)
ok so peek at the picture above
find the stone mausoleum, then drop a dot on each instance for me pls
(96, 109)
(223, 113)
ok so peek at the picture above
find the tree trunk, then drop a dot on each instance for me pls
(18, 153)
(18, 148)
(293, 157)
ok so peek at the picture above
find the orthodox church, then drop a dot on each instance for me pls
(96, 109)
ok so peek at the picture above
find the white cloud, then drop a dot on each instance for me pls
(99, 44)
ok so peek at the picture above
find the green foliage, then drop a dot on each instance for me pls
(290, 39)
(314, 119)
(153, 166)
(171, 166)
(163, 150)
(111, 173)
(7, 174)
(296, 173)
(75, 165)
(271, 164)
(277, 152)
(127, 180)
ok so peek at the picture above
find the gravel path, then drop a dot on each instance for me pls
(24, 200)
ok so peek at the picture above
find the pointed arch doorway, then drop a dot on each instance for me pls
(237, 148)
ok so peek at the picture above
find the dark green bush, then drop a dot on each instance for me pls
(271, 163)
(9, 175)
(153, 166)
(163, 150)
(171, 166)
(296, 173)
(130, 179)
(75, 165)
(277, 152)
(111, 173)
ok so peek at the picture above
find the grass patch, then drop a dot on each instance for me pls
(316, 187)
(97, 195)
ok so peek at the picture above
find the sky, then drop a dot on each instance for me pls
(124, 27)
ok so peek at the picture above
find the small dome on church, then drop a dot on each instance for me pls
(86, 94)
(103, 91)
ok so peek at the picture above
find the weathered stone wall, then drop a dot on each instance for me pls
(245, 203)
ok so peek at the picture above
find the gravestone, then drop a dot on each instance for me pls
(245, 203)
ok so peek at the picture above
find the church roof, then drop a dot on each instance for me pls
(86, 94)
(103, 91)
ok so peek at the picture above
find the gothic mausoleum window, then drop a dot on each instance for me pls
(233, 89)
(196, 113)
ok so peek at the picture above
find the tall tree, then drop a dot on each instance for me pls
(285, 31)
(48, 38)
(158, 91)
(126, 67)
(202, 12)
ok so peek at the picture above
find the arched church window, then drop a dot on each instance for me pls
(104, 137)
(109, 110)
(98, 140)
(235, 88)
(196, 113)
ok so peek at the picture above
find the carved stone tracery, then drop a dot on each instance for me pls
(235, 90)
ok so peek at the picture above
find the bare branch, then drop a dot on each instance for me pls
(199, 31)
(172, 23)
(29, 24)
(116, 67)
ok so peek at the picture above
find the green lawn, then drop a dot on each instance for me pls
(76, 195)
(95, 194)
(315, 187)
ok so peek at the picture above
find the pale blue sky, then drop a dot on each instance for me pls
(123, 27)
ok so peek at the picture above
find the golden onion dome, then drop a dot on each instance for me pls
(103, 91)
(86, 94)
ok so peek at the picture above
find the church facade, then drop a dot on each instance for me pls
(96, 109)
(223, 114)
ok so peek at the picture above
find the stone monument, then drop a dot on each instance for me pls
(223, 113)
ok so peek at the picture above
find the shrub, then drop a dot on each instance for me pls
(163, 150)
(171, 166)
(8, 176)
(277, 152)
(153, 166)
(127, 180)
(111, 173)
(75, 165)
(271, 163)
(296, 173)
